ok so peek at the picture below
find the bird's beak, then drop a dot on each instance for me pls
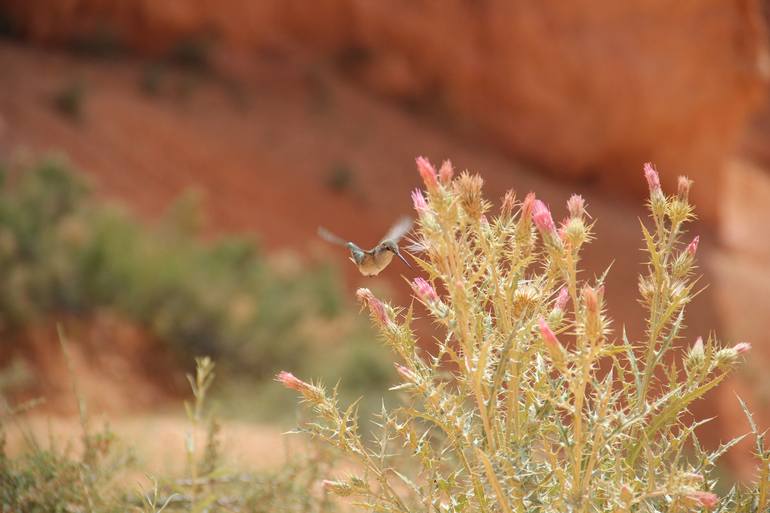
(399, 255)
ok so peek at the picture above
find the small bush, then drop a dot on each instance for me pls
(70, 99)
(529, 401)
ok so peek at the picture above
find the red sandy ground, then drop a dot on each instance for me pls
(262, 151)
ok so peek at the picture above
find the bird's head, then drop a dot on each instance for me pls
(391, 246)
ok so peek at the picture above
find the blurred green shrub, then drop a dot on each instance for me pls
(63, 251)
(69, 99)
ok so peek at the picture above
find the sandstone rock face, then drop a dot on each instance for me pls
(587, 89)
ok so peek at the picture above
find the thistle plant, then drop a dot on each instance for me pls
(527, 399)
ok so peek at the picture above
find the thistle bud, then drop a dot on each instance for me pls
(742, 347)
(576, 205)
(706, 500)
(527, 206)
(726, 357)
(406, 373)
(542, 218)
(626, 494)
(683, 188)
(428, 173)
(446, 172)
(562, 299)
(420, 205)
(556, 315)
(653, 180)
(376, 307)
(591, 300)
(424, 290)
(289, 380)
(692, 248)
(509, 200)
(695, 357)
(573, 232)
(310, 392)
(555, 349)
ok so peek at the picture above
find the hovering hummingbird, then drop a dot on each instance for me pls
(371, 262)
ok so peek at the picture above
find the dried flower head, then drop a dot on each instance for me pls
(525, 298)
(468, 188)
(509, 202)
(428, 173)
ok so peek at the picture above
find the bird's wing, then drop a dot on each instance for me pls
(415, 246)
(398, 230)
(330, 237)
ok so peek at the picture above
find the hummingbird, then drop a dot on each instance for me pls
(371, 262)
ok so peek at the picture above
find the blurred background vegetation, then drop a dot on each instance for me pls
(64, 252)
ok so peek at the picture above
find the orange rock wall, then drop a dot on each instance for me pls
(587, 88)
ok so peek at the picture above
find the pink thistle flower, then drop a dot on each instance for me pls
(706, 499)
(427, 172)
(405, 372)
(289, 380)
(420, 205)
(528, 205)
(542, 218)
(576, 205)
(692, 248)
(562, 299)
(742, 347)
(424, 290)
(376, 307)
(446, 172)
(653, 180)
(548, 335)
